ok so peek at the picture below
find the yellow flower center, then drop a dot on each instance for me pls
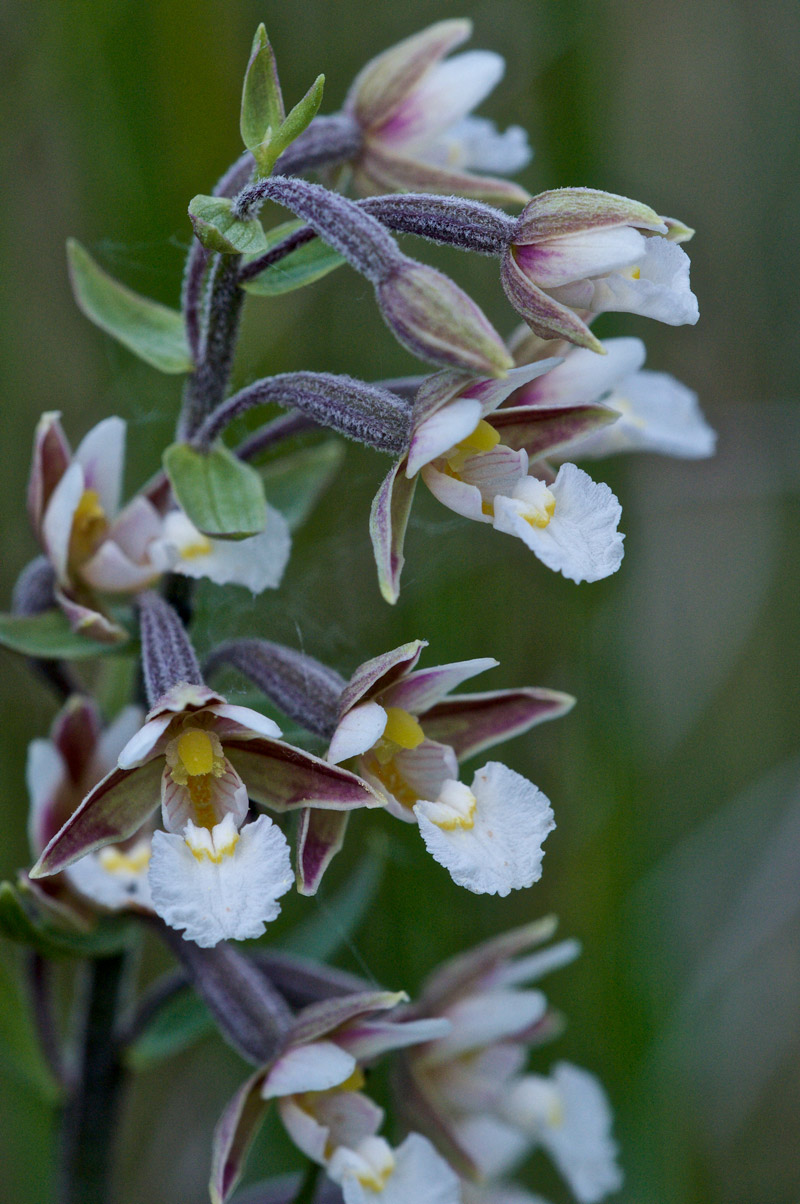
(89, 526)
(482, 439)
(195, 758)
(539, 516)
(200, 547)
(402, 731)
(116, 861)
(454, 809)
(215, 845)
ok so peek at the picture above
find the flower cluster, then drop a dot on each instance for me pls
(183, 817)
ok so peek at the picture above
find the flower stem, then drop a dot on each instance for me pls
(205, 388)
(90, 1113)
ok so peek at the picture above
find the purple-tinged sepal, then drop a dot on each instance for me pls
(389, 515)
(320, 836)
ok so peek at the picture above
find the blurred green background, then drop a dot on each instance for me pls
(675, 779)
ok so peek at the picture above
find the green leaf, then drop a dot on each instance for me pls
(222, 496)
(25, 926)
(300, 117)
(19, 1047)
(177, 1024)
(219, 230)
(338, 918)
(308, 263)
(152, 331)
(294, 483)
(50, 636)
(262, 102)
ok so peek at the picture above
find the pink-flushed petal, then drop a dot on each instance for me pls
(115, 737)
(547, 317)
(372, 1038)
(495, 471)
(311, 1136)
(482, 1019)
(101, 454)
(226, 795)
(239, 722)
(112, 572)
(457, 495)
(380, 170)
(536, 965)
(412, 774)
(582, 376)
(388, 520)
(358, 730)
(443, 430)
(329, 1015)
(542, 431)
(376, 675)
(114, 810)
(439, 390)
(492, 393)
(388, 78)
(75, 732)
(136, 528)
(339, 1118)
(45, 775)
(89, 622)
(420, 1108)
(317, 1066)
(483, 965)
(284, 778)
(423, 688)
(147, 743)
(50, 460)
(58, 519)
(559, 261)
(471, 723)
(447, 93)
(234, 1135)
(320, 836)
(185, 698)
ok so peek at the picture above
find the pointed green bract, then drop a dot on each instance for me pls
(306, 264)
(262, 102)
(150, 330)
(300, 117)
(294, 483)
(19, 924)
(221, 495)
(48, 635)
(218, 229)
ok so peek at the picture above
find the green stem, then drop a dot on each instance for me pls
(90, 1113)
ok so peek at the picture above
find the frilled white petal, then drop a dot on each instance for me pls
(146, 743)
(59, 516)
(114, 878)
(492, 842)
(224, 796)
(373, 1173)
(446, 94)
(238, 721)
(257, 563)
(229, 899)
(483, 147)
(441, 431)
(570, 1115)
(584, 376)
(317, 1066)
(45, 774)
(359, 730)
(485, 1017)
(581, 539)
(101, 455)
(661, 289)
(658, 414)
(558, 261)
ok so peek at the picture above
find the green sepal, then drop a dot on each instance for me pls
(221, 495)
(150, 330)
(262, 102)
(24, 925)
(299, 118)
(48, 635)
(306, 264)
(178, 1023)
(294, 483)
(219, 230)
(20, 1052)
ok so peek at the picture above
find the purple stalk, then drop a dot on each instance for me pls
(167, 653)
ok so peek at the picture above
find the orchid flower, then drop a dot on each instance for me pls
(414, 108)
(475, 457)
(212, 875)
(578, 252)
(96, 548)
(656, 412)
(316, 1082)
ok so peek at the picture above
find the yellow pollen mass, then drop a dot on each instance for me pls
(116, 862)
(539, 516)
(375, 1179)
(482, 439)
(196, 752)
(402, 728)
(89, 525)
(464, 820)
(636, 274)
(200, 547)
(200, 853)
